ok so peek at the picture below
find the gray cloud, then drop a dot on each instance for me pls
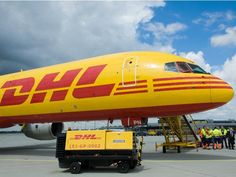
(35, 34)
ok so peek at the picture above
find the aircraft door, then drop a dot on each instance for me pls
(129, 71)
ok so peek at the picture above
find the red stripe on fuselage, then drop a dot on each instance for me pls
(132, 87)
(131, 92)
(133, 82)
(192, 87)
(160, 111)
(185, 78)
(187, 83)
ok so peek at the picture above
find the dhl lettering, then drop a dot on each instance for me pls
(59, 95)
(90, 75)
(96, 91)
(50, 82)
(9, 97)
(86, 136)
(38, 97)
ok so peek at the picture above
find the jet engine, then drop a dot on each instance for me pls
(45, 131)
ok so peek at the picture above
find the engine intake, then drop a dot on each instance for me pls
(46, 131)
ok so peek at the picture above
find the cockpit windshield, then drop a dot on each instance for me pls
(184, 67)
(196, 69)
(171, 67)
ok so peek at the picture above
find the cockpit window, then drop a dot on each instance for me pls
(196, 69)
(183, 67)
(171, 67)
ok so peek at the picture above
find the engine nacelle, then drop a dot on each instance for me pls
(46, 131)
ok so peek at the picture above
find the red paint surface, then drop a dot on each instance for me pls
(131, 92)
(132, 87)
(192, 87)
(133, 82)
(187, 83)
(48, 81)
(185, 78)
(95, 91)
(59, 95)
(90, 75)
(38, 97)
(10, 98)
(131, 121)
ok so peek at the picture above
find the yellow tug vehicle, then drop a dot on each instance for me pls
(77, 150)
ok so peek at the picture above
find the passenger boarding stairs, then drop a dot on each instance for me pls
(179, 131)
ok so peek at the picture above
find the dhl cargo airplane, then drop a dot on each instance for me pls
(117, 86)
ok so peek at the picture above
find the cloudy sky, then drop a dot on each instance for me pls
(35, 34)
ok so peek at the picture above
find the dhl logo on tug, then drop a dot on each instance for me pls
(48, 82)
(86, 137)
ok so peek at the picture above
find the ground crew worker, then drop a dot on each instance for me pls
(231, 138)
(202, 135)
(209, 134)
(217, 138)
(224, 137)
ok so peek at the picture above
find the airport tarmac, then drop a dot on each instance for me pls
(21, 156)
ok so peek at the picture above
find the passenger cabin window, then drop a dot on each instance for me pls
(196, 69)
(171, 67)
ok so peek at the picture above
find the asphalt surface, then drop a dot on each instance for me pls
(21, 156)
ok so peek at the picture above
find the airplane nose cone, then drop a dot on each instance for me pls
(221, 93)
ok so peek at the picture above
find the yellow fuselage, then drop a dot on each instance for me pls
(108, 87)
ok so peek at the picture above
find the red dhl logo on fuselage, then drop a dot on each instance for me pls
(48, 82)
(86, 137)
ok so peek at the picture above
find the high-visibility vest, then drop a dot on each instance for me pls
(217, 133)
(203, 132)
(225, 132)
(209, 133)
(221, 134)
